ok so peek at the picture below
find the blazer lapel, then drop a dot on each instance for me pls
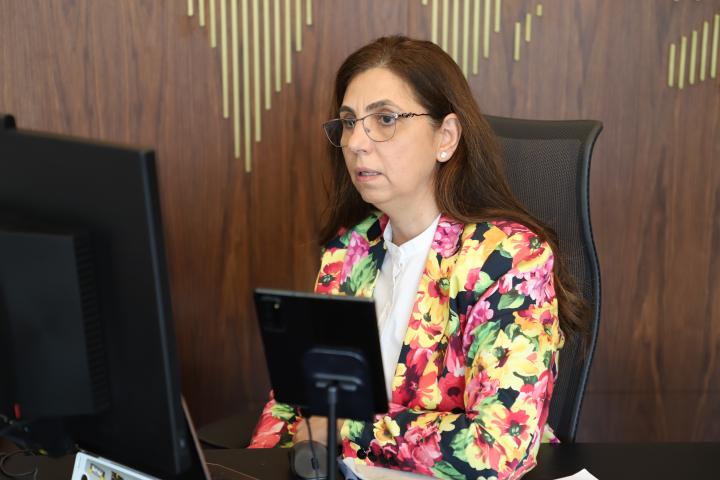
(419, 364)
(363, 258)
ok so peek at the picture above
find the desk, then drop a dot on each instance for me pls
(611, 461)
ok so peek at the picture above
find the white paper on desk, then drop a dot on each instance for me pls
(581, 475)
(367, 472)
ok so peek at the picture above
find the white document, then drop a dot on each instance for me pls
(366, 472)
(581, 475)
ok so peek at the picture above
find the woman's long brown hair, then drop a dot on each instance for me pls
(470, 187)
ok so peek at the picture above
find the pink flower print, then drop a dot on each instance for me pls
(510, 227)
(358, 248)
(539, 283)
(445, 241)
(505, 284)
(481, 387)
(421, 448)
(479, 314)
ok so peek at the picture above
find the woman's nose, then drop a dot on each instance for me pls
(359, 139)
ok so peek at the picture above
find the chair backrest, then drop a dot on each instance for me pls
(547, 164)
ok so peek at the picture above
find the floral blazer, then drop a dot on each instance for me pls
(472, 387)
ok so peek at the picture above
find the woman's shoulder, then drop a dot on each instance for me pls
(505, 238)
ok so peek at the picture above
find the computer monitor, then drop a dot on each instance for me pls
(86, 328)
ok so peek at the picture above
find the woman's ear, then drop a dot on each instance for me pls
(448, 137)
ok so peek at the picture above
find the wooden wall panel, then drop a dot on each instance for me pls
(142, 72)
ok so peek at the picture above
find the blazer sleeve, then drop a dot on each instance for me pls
(509, 336)
(276, 427)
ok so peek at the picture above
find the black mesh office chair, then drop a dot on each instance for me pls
(547, 164)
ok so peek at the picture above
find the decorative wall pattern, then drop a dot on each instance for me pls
(244, 22)
(486, 18)
(692, 61)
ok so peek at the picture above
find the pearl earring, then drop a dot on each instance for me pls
(443, 155)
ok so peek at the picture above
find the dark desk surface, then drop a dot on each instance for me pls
(615, 461)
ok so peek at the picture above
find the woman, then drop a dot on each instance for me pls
(469, 294)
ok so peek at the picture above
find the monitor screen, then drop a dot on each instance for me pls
(85, 317)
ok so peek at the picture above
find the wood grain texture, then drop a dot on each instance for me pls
(141, 72)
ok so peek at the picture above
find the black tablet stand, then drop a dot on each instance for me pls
(337, 382)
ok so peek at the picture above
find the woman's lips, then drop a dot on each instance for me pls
(366, 175)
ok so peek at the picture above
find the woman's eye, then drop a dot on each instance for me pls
(348, 123)
(386, 120)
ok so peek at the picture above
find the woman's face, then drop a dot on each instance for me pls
(395, 175)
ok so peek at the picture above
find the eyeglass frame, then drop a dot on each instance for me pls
(395, 115)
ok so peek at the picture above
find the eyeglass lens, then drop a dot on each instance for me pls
(379, 127)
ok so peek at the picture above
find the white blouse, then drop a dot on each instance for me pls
(396, 291)
(395, 294)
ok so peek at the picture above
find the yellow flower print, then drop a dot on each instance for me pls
(515, 427)
(474, 254)
(509, 360)
(385, 430)
(541, 322)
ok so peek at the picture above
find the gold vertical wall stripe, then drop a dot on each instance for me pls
(278, 56)
(516, 49)
(693, 57)
(298, 25)
(446, 20)
(671, 66)
(681, 69)
(498, 10)
(288, 42)
(235, 75)
(528, 27)
(714, 54)
(455, 30)
(190, 8)
(308, 13)
(466, 36)
(256, 68)
(486, 30)
(201, 12)
(539, 10)
(266, 53)
(246, 87)
(223, 58)
(213, 25)
(433, 22)
(476, 36)
(703, 52)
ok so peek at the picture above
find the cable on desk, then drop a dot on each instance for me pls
(230, 469)
(4, 457)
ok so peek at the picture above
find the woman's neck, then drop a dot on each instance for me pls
(409, 224)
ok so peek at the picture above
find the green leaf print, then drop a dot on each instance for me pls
(453, 323)
(485, 336)
(283, 411)
(547, 356)
(460, 442)
(445, 470)
(355, 429)
(482, 283)
(511, 300)
(362, 274)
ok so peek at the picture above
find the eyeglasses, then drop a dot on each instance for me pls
(379, 127)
